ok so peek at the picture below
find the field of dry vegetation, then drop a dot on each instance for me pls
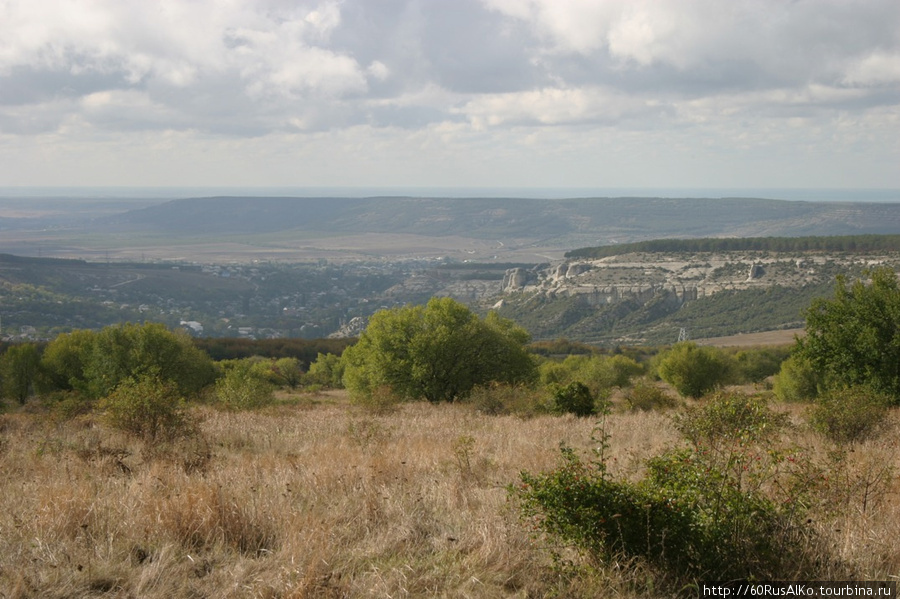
(316, 497)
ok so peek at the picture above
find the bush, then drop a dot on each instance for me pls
(148, 408)
(726, 507)
(646, 397)
(730, 417)
(326, 371)
(851, 414)
(599, 373)
(686, 518)
(439, 352)
(756, 364)
(243, 387)
(694, 370)
(796, 381)
(381, 400)
(498, 399)
(574, 398)
(66, 405)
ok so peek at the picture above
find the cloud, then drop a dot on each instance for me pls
(480, 72)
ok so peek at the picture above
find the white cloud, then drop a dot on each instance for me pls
(878, 68)
(553, 106)
(482, 86)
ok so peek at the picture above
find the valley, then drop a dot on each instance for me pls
(318, 267)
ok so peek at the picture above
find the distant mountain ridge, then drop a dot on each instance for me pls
(570, 222)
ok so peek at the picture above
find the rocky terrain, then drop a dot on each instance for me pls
(611, 299)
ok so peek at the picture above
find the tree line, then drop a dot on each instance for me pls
(844, 243)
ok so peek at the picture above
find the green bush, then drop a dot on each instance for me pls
(599, 373)
(95, 363)
(243, 386)
(66, 405)
(851, 414)
(796, 381)
(730, 417)
(380, 400)
(439, 352)
(19, 369)
(694, 370)
(728, 506)
(326, 371)
(575, 398)
(686, 518)
(756, 364)
(148, 408)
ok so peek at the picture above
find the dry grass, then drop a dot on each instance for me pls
(328, 500)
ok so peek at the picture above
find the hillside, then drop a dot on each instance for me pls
(648, 298)
(512, 229)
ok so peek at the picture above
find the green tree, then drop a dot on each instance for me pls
(853, 339)
(147, 407)
(286, 372)
(19, 367)
(96, 363)
(439, 352)
(796, 381)
(694, 370)
(64, 360)
(327, 370)
(574, 398)
(244, 385)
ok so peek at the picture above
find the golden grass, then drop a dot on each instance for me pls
(328, 500)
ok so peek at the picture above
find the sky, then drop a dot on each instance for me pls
(450, 93)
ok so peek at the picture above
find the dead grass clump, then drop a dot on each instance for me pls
(203, 516)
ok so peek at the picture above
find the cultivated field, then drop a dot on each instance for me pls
(316, 497)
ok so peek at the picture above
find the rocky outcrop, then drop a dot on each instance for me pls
(353, 328)
(756, 271)
(516, 279)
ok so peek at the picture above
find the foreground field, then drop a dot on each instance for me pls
(319, 498)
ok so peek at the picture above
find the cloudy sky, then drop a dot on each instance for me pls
(472, 93)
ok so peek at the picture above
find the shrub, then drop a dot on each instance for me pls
(687, 518)
(574, 398)
(851, 414)
(19, 369)
(327, 371)
(599, 373)
(646, 397)
(725, 507)
(243, 387)
(796, 381)
(148, 408)
(756, 364)
(438, 352)
(730, 417)
(498, 399)
(66, 405)
(694, 370)
(381, 400)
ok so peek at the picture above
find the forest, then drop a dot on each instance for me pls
(843, 243)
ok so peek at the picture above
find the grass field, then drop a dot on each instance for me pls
(316, 497)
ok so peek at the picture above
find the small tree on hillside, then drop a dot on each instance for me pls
(96, 363)
(853, 339)
(19, 367)
(439, 352)
(147, 407)
(694, 370)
